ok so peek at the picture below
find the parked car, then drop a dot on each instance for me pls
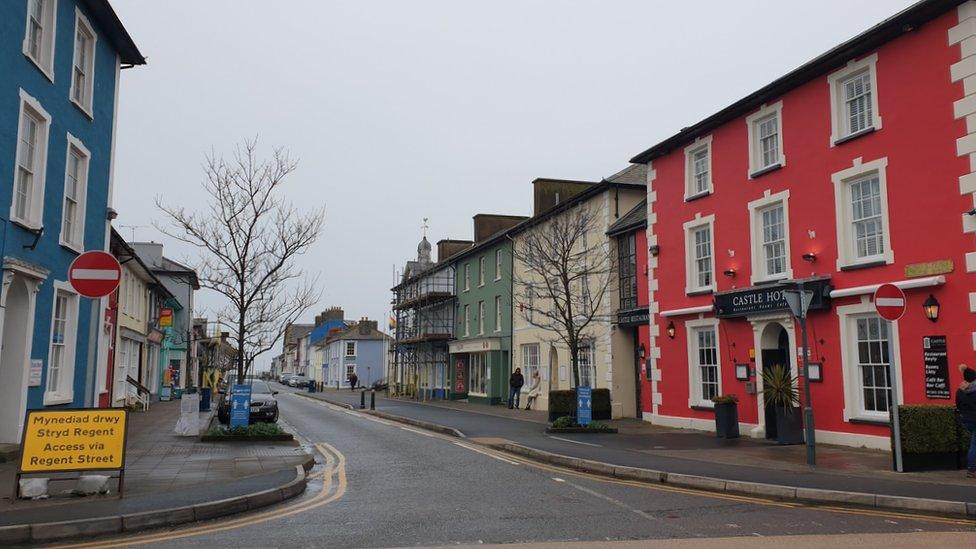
(298, 381)
(283, 378)
(264, 405)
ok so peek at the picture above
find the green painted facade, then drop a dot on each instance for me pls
(490, 338)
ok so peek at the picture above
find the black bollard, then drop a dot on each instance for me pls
(372, 399)
(362, 400)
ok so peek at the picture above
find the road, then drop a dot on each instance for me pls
(381, 484)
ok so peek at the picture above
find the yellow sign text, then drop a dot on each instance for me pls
(73, 440)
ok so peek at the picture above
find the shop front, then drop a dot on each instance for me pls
(479, 372)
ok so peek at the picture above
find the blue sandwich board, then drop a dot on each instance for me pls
(584, 405)
(240, 406)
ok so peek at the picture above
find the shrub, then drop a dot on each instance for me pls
(563, 422)
(563, 403)
(566, 422)
(726, 399)
(929, 429)
(253, 430)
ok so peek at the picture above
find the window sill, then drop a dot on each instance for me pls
(55, 399)
(697, 196)
(869, 421)
(46, 72)
(769, 281)
(71, 248)
(703, 408)
(764, 171)
(865, 265)
(26, 225)
(80, 107)
(704, 291)
(853, 136)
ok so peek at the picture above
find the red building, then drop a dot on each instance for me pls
(852, 171)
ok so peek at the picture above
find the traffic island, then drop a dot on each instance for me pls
(256, 432)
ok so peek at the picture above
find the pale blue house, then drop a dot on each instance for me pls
(60, 62)
(361, 349)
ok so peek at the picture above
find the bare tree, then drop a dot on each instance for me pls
(567, 273)
(249, 238)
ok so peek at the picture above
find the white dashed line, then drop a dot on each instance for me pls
(575, 441)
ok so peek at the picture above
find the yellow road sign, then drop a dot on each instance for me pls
(74, 440)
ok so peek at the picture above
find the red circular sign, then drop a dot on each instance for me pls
(95, 274)
(889, 300)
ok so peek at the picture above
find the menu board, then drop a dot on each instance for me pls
(936, 367)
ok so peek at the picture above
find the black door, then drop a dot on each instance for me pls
(770, 358)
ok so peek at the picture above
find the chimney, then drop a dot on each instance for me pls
(487, 225)
(547, 193)
(366, 326)
(446, 248)
(333, 313)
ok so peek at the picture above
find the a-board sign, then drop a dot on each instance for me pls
(240, 406)
(584, 405)
(936, 367)
(74, 440)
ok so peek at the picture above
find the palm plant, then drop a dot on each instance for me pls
(779, 388)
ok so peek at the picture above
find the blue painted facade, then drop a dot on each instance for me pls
(20, 74)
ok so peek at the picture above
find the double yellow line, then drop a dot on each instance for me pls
(333, 475)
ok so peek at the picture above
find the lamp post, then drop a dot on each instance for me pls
(799, 300)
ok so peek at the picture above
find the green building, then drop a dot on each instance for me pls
(481, 351)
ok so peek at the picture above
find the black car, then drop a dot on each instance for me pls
(264, 406)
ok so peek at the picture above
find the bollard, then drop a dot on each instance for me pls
(372, 399)
(362, 400)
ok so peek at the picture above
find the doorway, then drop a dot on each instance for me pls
(775, 352)
(14, 355)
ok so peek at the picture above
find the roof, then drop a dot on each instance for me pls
(634, 173)
(110, 24)
(170, 266)
(321, 332)
(352, 334)
(119, 242)
(636, 218)
(903, 22)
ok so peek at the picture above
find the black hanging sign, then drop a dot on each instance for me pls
(769, 299)
(936, 367)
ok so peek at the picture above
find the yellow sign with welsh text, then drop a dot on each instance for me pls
(74, 440)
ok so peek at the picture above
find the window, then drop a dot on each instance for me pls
(765, 139)
(467, 276)
(498, 313)
(350, 370)
(769, 222)
(854, 99)
(75, 190)
(481, 271)
(479, 375)
(350, 348)
(481, 317)
(467, 320)
(83, 66)
(873, 362)
(700, 257)
(866, 362)
(39, 36)
(860, 196)
(698, 169)
(587, 362)
(498, 264)
(28, 197)
(530, 360)
(627, 251)
(703, 361)
(61, 354)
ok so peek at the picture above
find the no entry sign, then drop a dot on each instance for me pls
(889, 300)
(95, 274)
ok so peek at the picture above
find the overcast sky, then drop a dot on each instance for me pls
(401, 110)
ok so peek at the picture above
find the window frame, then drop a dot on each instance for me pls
(35, 214)
(846, 256)
(627, 290)
(753, 122)
(75, 242)
(467, 276)
(756, 208)
(691, 192)
(347, 346)
(528, 366)
(498, 313)
(587, 350)
(467, 320)
(48, 39)
(853, 389)
(64, 392)
(481, 317)
(498, 264)
(82, 24)
(692, 327)
(482, 264)
(691, 269)
(839, 132)
(483, 377)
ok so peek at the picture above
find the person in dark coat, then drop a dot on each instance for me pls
(353, 380)
(966, 406)
(515, 384)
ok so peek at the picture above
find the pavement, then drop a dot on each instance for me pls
(685, 452)
(169, 479)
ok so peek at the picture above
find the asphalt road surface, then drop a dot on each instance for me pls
(381, 484)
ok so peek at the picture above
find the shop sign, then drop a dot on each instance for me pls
(475, 345)
(936, 367)
(459, 377)
(34, 375)
(165, 318)
(155, 336)
(633, 317)
(929, 268)
(769, 299)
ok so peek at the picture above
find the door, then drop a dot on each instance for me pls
(17, 329)
(770, 358)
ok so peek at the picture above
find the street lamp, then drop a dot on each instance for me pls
(671, 329)
(931, 307)
(642, 352)
(799, 300)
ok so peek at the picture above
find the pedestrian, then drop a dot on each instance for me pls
(966, 408)
(515, 388)
(353, 380)
(534, 390)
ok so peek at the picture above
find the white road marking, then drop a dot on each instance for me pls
(557, 479)
(576, 441)
(482, 452)
(616, 502)
(418, 432)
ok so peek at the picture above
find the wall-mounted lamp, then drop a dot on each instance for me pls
(931, 307)
(111, 214)
(654, 250)
(671, 329)
(641, 352)
(729, 273)
(810, 256)
(972, 211)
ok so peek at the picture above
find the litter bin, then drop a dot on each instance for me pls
(311, 386)
(205, 393)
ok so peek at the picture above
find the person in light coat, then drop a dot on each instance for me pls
(534, 390)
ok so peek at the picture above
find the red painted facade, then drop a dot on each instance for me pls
(918, 138)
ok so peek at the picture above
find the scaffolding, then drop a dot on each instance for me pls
(424, 311)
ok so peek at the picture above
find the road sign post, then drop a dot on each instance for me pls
(584, 405)
(889, 301)
(799, 302)
(95, 274)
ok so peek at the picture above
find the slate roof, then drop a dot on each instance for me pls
(636, 218)
(110, 24)
(634, 173)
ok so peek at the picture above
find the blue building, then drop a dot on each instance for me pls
(60, 61)
(360, 349)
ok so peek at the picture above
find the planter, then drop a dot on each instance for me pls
(581, 430)
(789, 426)
(727, 420)
(940, 461)
(245, 438)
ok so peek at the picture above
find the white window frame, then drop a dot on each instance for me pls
(350, 369)
(528, 366)
(35, 213)
(45, 61)
(755, 150)
(467, 320)
(467, 276)
(587, 371)
(704, 143)
(479, 373)
(846, 257)
(838, 112)
(82, 25)
(692, 327)
(76, 240)
(853, 396)
(691, 271)
(756, 209)
(481, 317)
(498, 313)
(498, 264)
(64, 392)
(482, 264)
(355, 348)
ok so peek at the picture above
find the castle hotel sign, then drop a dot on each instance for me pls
(769, 299)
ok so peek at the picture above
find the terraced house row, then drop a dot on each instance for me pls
(854, 170)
